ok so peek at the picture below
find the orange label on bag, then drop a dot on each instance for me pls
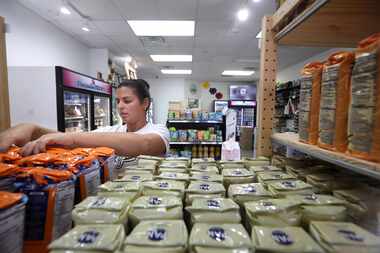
(8, 199)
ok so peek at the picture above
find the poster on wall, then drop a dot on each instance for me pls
(193, 103)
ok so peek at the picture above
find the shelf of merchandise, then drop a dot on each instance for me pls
(322, 23)
(195, 143)
(196, 121)
(75, 118)
(360, 166)
(75, 104)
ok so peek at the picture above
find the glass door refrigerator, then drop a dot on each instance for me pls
(83, 102)
(246, 113)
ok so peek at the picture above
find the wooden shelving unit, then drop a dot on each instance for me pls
(5, 119)
(322, 23)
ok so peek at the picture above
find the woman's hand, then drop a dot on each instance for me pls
(54, 139)
(17, 135)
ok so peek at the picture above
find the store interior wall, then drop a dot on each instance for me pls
(33, 41)
(98, 61)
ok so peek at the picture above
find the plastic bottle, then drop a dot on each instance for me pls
(200, 151)
(205, 152)
(194, 151)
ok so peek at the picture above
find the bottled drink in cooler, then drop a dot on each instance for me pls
(217, 152)
(200, 151)
(194, 151)
(212, 151)
(205, 151)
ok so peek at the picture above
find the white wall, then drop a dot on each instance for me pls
(33, 41)
(98, 62)
(293, 72)
(162, 91)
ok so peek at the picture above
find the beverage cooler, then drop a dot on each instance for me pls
(83, 102)
(246, 113)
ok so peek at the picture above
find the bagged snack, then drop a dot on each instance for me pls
(136, 177)
(237, 176)
(204, 190)
(206, 177)
(284, 240)
(224, 164)
(224, 238)
(273, 213)
(271, 177)
(321, 208)
(242, 193)
(263, 168)
(181, 177)
(163, 188)
(214, 211)
(344, 237)
(157, 237)
(108, 162)
(101, 210)
(98, 238)
(155, 208)
(287, 187)
(11, 156)
(178, 160)
(310, 94)
(126, 190)
(364, 118)
(335, 100)
(258, 161)
(201, 168)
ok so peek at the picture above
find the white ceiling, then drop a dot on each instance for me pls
(220, 41)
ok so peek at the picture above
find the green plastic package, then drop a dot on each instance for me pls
(199, 189)
(318, 207)
(90, 239)
(127, 190)
(273, 213)
(242, 193)
(264, 168)
(164, 188)
(287, 187)
(337, 237)
(214, 211)
(157, 237)
(283, 240)
(155, 208)
(207, 177)
(259, 161)
(221, 238)
(171, 176)
(231, 164)
(267, 177)
(136, 177)
(237, 176)
(202, 168)
(207, 160)
(301, 173)
(358, 202)
(101, 210)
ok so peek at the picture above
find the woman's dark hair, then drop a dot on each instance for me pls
(140, 88)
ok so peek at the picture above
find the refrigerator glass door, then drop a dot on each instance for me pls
(77, 108)
(116, 119)
(101, 111)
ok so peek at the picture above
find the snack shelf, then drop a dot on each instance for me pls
(357, 165)
(195, 143)
(196, 121)
(74, 118)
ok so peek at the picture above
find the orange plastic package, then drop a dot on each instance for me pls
(7, 170)
(11, 156)
(335, 101)
(364, 117)
(41, 159)
(107, 159)
(309, 102)
(8, 199)
(42, 175)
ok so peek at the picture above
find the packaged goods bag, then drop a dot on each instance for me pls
(364, 118)
(273, 176)
(99, 238)
(256, 169)
(225, 164)
(157, 236)
(344, 237)
(11, 156)
(310, 94)
(7, 176)
(181, 177)
(284, 240)
(237, 176)
(207, 161)
(206, 177)
(126, 190)
(202, 168)
(258, 161)
(319, 207)
(108, 162)
(335, 101)
(231, 150)
(88, 181)
(224, 238)
(136, 177)
(12, 215)
(205, 190)
(302, 172)
(242, 193)
(214, 211)
(273, 213)
(327, 183)
(163, 188)
(287, 187)
(155, 208)
(101, 210)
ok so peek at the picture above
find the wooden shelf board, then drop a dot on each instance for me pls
(332, 23)
(360, 166)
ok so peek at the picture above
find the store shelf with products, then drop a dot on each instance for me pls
(195, 143)
(195, 121)
(346, 161)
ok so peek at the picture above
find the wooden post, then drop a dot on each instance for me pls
(266, 89)
(5, 121)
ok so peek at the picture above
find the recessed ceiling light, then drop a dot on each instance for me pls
(176, 71)
(259, 35)
(65, 11)
(243, 14)
(256, 1)
(162, 27)
(171, 58)
(238, 73)
(86, 29)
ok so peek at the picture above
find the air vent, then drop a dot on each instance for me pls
(153, 41)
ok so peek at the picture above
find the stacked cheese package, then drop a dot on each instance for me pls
(201, 205)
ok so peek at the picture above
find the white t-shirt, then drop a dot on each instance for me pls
(149, 128)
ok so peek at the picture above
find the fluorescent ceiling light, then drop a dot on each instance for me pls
(238, 73)
(128, 59)
(259, 35)
(256, 1)
(171, 58)
(65, 11)
(162, 27)
(243, 14)
(85, 29)
(176, 71)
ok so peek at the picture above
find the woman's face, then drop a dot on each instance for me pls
(130, 108)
